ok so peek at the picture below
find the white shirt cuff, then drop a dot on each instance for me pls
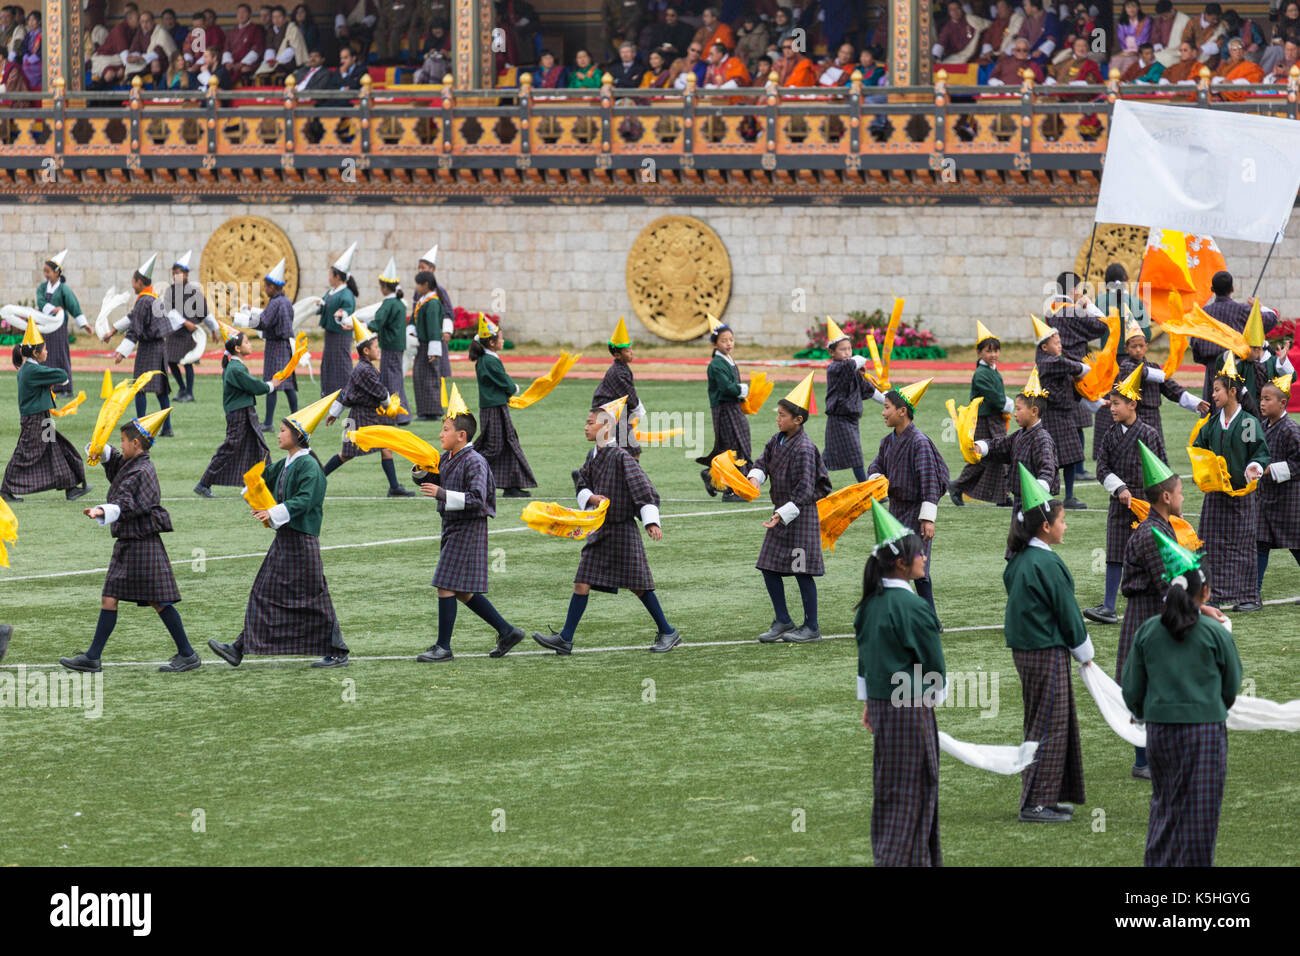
(1008, 406)
(1284, 365)
(744, 390)
(369, 21)
(929, 511)
(435, 348)
(756, 474)
(1084, 652)
(250, 58)
(340, 21)
(859, 360)
(1112, 483)
(111, 514)
(227, 59)
(126, 348)
(1046, 487)
(279, 516)
(104, 455)
(878, 396)
(637, 414)
(1189, 401)
(982, 447)
(122, 324)
(336, 409)
(862, 688)
(455, 500)
(150, 56)
(81, 321)
(649, 515)
(1093, 407)
(447, 327)
(268, 55)
(1156, 375)
(1280, 471)
(583, 497)
(936, 50)
(788, 512)
(285, 56)
(942, 694)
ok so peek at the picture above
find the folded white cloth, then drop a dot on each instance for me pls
(997, 758)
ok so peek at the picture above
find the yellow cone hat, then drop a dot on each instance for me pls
(1132, 330)
(615, 408)
(486, 327)
(455, 404)
(1253, 333)
(32, 335)
(1229, 369)
(912, 393)
(1042, 331)
(152, 423)
(714, 324)
(620, 338)
(1283, 382)
(1131, 387)
(981, 333)
(833, 333)
(360, 333)
(801, 395)
(305, 420)
(1033, 388)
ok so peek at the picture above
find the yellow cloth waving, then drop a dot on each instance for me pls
(299, 350)
(543, 386)
(70, 408)
(550, 517)
(8, 531)
(1210, 472)
(111, 411)
(411, 447)
(1199, 324)
(964, 419)
(1100, 378)
(1177, 349)
(760, 387)
(724, 472)
(1183, 530)
(256, 493)
(840, 508)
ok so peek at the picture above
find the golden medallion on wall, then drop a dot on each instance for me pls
(1122, 244)
(678, 272)
(238, 256)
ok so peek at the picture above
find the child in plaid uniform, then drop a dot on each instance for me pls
(276, 323)
(619, 382)
(144, 331)
(1154, 384)
(243, 446)
(846, 387)
(1031, 446)
(1279, 486)
(726, 391)
(986, 480)
(426, 373)
(1057, 373)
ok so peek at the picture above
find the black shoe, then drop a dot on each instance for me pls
(955, 495)
(87, 665)
(665, 642)
(1101, 614)
(203, 491)
(180, 662)
(6, 632)
(72, 494)
(1006, 502)
(1043, 815)
(1084, 476)
(1143, 772)
(229, 653)
(506, 642)
(184, 396)
(1074, 504)
(426, 418)
(554, 642)
(708, 484)
(329, 660)
(776, 632)
(167, 433)
(515, 493)
(8, 497)
(1247, 606)
(730, 497)
(576, 476)
(434, 655)
(400, 492)
(266, 429)
(1066, 808)
(802, 635)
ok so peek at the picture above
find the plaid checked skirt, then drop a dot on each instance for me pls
(1083, 418)
(275, 356)
(335, 362)
(152, 356)
(908, 514)
(463, 556)
(242, 448)
(1138, 609)
(140, 571)
(390, 370)
(794, 548)
(444, 362)
(426, 382)
(1101, 424)
(904, 785)
(1278, 525)
(1057, 775)
(39, 465)
(360, 418)
(1148, 412)
(178, 344)
(731, 430)
(1119, 528)
(1062, 425)
(843, 443)
(289, 609)
(615, 559)
(984, 482)
(58, 354)
(499, 444)
(1226, 526)
(1189, 765)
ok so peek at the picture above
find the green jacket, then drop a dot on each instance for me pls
(62, 297)
(238, 388)
(1041, 609)
(34, 381)
(1192, 681)
(495, 386)
(342, 299)
(897, 631)
(390, 324)
(428, 320)
(1233, 444)
(724, 381)
(987, 384)
(304, 492)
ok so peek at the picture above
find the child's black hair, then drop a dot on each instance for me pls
(1181, 612)
(1032, 401)
(230, 348)
(390, 288)
(794, 410)
(992, 342)
(1028, 523)
(902, 551)
(348, 281)
(895, 398)
(465, 422)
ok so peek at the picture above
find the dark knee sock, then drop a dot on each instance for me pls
(165, 402)
(1078, 466)
(859, 473)
(292, 395)
(332, 465)
(808, 595)
(776, 591)
(1114, 574)
(189, 379)
(651, 602)
(577, 605)
(171, 619)
(446, 620)
(176, 373)
(140, 407)
(1139, 756)
(481, 606)
(925, 589)
(1261, 563)
(1295, 553)
(1068, 474)
(271, 397)
(107, 621)
(390, 471)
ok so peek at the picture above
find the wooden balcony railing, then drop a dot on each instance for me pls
(882, 143)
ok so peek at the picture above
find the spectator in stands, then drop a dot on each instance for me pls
(210, 66)
(693, 65)
(1167, 32)
(549, 75)
(354, 25)
(1290, 53)
(307, 24)
(246, 45)
(435, 66)
(999, 36)
(315, 75)
(108, 62)
(12, 32)
(216, 36)
(783, 27)
(1006, 71)
(585, 75)
(1286, 28)
(1081, 24)
(196, 41)
(627, 70)
(31, 58)
(959, 37)
(394, 22)
(173, 26)
(11, 81)
(179, 76)
(159, 48)
(1078, 68)
(671, 31)
(835, 19)
(873, 72)
(1187, 69)
(751, 39)
(1236, 69)
(437, 39)
(1042, 30)
(836, 72)
(622, 19)
(1132, 30)
(350, 69)
(1147, 69)
(1252, 40)
(1206, 33)
(285, 49)
(794, 68)
(523, 31)
(712, 31)
(725, 71)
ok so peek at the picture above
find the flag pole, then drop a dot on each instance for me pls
(1276, 237)
(1087, 266)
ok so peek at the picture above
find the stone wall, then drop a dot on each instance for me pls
(560, 269)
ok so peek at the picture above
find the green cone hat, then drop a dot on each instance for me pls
(1154, 470)
(1032, 494)
(1178, 560)
(888, 528)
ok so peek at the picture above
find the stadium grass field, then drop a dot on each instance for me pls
(583, 759)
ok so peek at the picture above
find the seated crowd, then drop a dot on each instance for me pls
(20, 40)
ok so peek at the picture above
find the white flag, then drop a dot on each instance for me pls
(1231, 175)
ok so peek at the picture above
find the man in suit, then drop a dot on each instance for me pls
(627, 69)
(212, 66)
(315, 75)
(350, 70)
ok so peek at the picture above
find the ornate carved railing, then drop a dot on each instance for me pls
(875, 142)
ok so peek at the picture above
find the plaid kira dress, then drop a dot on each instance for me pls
(276, 323)
(1228, 522)
(147, 332)
(243, 446)
(613, 556)
(917, 473)
(365, 393)
(619, 381)
(1279, 501)
(845, 390)
(1119, 455)
(336, 357)
(39, 463)
(1143, 584)
(139, 570)
(463, 546)
(1056, 373)
(797, 474)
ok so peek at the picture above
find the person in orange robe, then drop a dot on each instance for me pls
(724, 69)
(794, 69)
(714, 31)
(1236, 69)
